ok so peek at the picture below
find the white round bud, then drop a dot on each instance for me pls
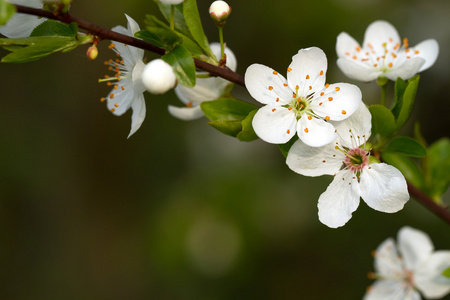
(172, 2)
(158, 77)
(219, 12)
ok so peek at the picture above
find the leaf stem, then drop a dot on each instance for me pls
(172, 17)
(222, 47)
(383, 95)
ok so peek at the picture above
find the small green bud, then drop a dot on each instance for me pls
(382, 81)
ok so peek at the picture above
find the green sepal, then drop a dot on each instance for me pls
(159, 34)
(231, 116)
(182, 64)
(383, 123)
(7, 10)
(284, 148)
(404, 98)
(446, 272)
(407, 166)
(406, 146)
(439, 166)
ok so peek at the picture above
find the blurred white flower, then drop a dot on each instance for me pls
(383, 54)
(127, 84)
(21, 25)
(303, 103)
(411, 267)
(380, 185)
(171, 2)
(205, 89)
(158, 77)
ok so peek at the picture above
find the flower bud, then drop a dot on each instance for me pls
(219, 12)
(172, 2)
(92, 52)
(158, 77)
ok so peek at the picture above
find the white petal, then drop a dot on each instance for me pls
(315, 132)
(390, 290)
(205, 89)
(266, 86)
(314, 161)
(415, 246)
(429, 279)
(339, 201)
(357, 70)
(408, 69)
(383, 188)
(345, 44)
(429, 51)
(307, 70)
(138, 116)
(378, 33)
(20, 26)
(231, 58)
(276, 127)
(355, 130)
(387, 260)
(339, 101)
(122, 99)
(133, 27)
(186, 113)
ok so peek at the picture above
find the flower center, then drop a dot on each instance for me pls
(299, 105)
(355, 159)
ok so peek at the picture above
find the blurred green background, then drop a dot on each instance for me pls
(180, 211)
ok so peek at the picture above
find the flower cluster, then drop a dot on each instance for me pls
(411, 267)
(332, 123)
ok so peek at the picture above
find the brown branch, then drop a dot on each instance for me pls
(426, 201)
(107, 34)
(225, 73)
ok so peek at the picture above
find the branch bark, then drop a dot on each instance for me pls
(225, 73)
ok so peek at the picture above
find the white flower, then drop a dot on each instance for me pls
(381, 186)
(21, 25)
(219, 12)
(158, 77)
(302, 104)
(171, 2)
(411, 268)
(127, 88)
(205, 89)
(382, 54)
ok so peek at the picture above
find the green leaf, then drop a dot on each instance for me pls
(399, 90)
(193, 21)
(407, 166)
(446, 273)
(406, 146)
(55, 28)
(179, 21)
(383, 122)
(247, 134)
(232, 117)
(439, 166)
(227, 109)
(182, 64)
(7, 10)
(159, 34)
(34, 48)
(404, 105)
(284, 148)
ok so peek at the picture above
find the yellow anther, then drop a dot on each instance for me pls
(344, 112)
(275, 73)
(327, 118)
(306, 130)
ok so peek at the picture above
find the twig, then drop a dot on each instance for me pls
(107, 34)
(225, 73)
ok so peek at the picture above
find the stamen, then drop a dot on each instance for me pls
(306, 130)
(274, 109)
(344, 112)
(309, 118)
(288, 131)
(275, 72)
(327, 118)
(116, 105)
(307, 77)
(337, 89)
(270, 87)
(330, 98)
(321, 72)
(289, 69)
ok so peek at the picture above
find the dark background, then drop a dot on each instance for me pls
(180, 211)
